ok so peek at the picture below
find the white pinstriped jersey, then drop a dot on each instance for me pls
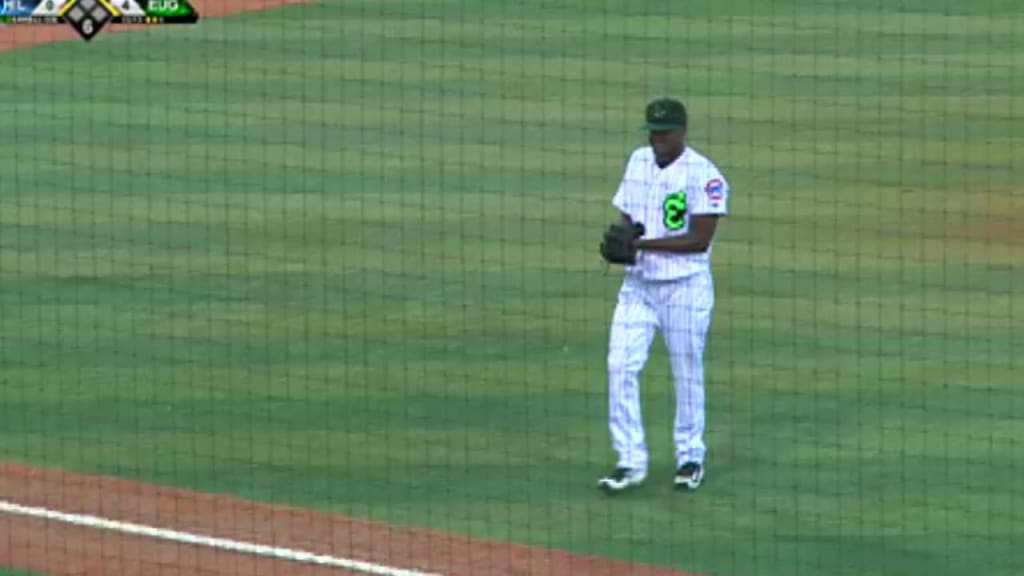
(664, 199)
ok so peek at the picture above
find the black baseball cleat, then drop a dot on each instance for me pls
(621, 479)
(689, 476)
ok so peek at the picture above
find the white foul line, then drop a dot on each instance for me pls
(220, 543)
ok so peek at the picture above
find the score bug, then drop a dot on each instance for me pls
(89, 17)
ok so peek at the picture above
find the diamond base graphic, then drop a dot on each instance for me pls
(88, 17)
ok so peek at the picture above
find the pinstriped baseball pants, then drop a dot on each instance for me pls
(680, 310)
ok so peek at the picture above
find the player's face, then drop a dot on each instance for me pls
(667, 144)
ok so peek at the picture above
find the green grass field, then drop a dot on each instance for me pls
(345, 256)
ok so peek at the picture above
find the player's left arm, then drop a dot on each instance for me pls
(707, 205)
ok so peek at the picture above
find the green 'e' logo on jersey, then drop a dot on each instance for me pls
(675, 210)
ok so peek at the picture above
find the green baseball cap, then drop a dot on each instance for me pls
(665, 114)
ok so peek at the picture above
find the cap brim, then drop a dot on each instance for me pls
(655, 126)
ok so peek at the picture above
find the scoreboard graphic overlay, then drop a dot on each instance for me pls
(88, 17)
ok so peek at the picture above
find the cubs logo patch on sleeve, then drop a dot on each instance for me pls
(715, 190)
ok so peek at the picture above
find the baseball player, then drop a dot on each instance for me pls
(670, 199)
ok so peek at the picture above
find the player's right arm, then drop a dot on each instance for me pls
(623, 196)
